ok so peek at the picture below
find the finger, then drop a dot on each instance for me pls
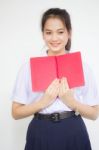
(54, 82)
(65, 83)
(61, 88)
(54, 92)
(53, 89)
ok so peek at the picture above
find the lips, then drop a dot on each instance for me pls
(55, 44)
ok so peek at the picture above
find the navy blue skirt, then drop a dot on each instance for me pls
(67, 134)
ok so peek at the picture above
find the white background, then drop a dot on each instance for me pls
(20, 38)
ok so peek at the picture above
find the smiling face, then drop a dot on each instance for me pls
(55, 36)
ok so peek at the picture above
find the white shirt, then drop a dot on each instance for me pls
(22, 92)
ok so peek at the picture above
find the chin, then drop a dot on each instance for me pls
(55, 50)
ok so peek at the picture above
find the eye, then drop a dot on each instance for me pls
(48, 33)
(61, 32)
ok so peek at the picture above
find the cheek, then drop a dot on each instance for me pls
(66, 38)
(47, 38)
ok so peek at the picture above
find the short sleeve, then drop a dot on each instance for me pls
(89, 92)
(20, 90)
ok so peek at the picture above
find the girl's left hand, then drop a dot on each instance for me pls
(66, 94)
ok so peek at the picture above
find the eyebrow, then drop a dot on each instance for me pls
(57, 29)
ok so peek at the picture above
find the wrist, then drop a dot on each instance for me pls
(76, 108)
(42, 102)
(74, 105)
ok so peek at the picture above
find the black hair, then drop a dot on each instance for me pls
(61, 14)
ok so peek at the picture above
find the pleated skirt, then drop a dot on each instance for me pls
(67, 134)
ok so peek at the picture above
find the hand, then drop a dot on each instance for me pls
(66, 94)
(50, 94)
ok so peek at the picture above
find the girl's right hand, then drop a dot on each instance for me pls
(50, 94)
(21, 110)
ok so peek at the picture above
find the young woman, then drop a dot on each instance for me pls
(57, 122)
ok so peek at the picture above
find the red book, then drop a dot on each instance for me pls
(45, 69)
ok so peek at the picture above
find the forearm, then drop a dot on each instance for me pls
(22, 111)
(90, 112)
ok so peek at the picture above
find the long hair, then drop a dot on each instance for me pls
(61, 14)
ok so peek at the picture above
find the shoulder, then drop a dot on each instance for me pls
(25, 67)
(24, 71)
(89, 77)
(88, 72)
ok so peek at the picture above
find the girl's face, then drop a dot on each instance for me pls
(56, 36)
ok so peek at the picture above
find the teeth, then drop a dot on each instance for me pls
(55, 44)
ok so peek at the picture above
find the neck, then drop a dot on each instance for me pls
(50, 53)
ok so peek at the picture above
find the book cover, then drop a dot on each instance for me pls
(45, 69)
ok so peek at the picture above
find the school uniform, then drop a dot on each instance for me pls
(66, 131)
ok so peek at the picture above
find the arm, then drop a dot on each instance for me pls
(20, 111)
(90, 112)
(67, 96)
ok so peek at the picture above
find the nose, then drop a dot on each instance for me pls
(54, 37)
